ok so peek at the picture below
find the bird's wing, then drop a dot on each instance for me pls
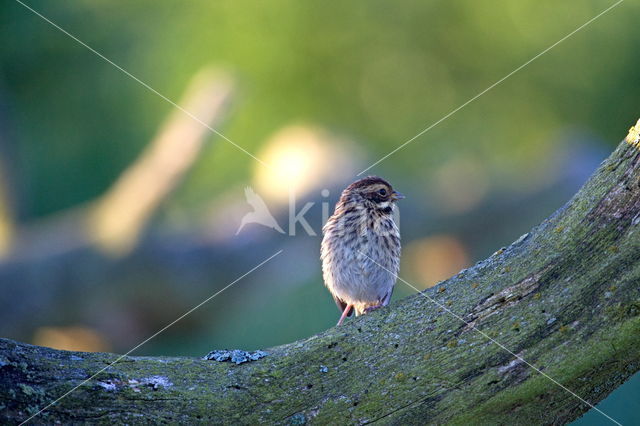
(377, 273)
(254, 199)
(387, 297)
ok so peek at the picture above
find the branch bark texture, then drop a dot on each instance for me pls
(565, 297)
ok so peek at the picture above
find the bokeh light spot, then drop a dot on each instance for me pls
(71, 338)
(433, 259)
(300, 159)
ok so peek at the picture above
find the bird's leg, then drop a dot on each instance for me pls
(345, 313)
(372, 308)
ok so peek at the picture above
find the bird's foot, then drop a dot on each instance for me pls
(345, 313)
(372, 308)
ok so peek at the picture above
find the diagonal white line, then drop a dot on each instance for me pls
(491, 87)
(440, 305)
(155, 334)
(76, 39)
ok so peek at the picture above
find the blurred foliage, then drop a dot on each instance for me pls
(377, 71)
(374, 72)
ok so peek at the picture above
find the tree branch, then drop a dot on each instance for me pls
(564, 297)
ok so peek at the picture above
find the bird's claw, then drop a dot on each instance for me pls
(372, 308)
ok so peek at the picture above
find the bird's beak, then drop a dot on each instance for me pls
(395, 195)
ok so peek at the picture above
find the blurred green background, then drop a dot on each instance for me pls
(319, 89)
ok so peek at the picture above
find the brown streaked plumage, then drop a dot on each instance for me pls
(360, 250)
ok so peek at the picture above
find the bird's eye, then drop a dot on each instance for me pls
(382, 192)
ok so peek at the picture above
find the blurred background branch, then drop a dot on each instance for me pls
(118, 217)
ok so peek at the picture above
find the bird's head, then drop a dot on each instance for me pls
(372, 192)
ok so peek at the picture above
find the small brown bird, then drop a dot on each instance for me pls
(360, 250)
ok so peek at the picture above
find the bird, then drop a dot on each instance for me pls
(360, 248)
(260, 213)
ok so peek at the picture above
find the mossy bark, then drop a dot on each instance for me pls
(564, 297)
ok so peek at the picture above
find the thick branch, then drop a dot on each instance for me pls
(564, 297)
